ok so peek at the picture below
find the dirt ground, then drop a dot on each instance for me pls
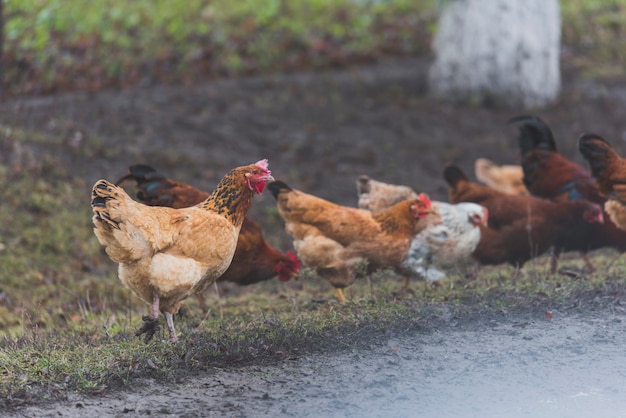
(319, 132)
(479, 365)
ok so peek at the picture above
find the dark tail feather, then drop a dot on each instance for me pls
(453, 175)
(276, 187)
(141, 173)
(98, 202)
(533, 134)
(363, 184)
(101, 193)
(596, 151)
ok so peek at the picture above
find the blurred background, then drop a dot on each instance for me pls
(52, 46)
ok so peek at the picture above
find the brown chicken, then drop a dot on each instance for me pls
(520, 227)
(341, 243)
(165, 255)
(506, 178)
(547, 173)
(446, 243)
(550, 175)
(609, 170)
(255, 260)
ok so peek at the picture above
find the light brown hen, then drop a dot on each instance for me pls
(166, 255)
(342, 243)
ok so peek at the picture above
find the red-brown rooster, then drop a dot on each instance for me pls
(519, 227)
(609, 170)
(166, 255)
(255, 260)
(550, 175)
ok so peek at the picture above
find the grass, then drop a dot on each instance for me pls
(273, 323)
(594, 33)
(60, 45)
(80, 44)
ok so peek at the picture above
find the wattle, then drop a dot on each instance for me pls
(259, 187)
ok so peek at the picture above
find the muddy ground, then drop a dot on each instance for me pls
(319, 132)
(506, 365)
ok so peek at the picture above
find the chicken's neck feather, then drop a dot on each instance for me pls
(231, 198)
(394, 218)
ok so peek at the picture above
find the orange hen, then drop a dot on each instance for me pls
(255, 260)
(165, 255)
(507, 178)
(341, 243)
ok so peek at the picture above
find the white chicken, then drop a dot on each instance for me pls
(445, 243)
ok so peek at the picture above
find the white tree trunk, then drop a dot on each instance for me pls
(501, 50)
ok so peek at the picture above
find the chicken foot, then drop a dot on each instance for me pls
(340, 295)
(555, 261)
(150, 327)
(151, 322)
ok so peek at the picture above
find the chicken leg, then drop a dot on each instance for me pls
(170, 325)
(151, 322)
(340, 295)
(555, 261)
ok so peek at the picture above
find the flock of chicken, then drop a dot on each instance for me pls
(178, 240)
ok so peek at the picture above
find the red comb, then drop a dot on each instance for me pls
(262, 164)
(425, 200)
(296, 262)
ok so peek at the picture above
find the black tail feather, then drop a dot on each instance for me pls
(275, 187)
(533, 134)
(453, 174)
(595, 155)
(98, 202)
(363, 184)
(141, 173)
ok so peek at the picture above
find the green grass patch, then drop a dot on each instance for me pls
(594, 33)
(60, 45)
(81, 44)
(274, 322)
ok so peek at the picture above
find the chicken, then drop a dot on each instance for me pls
(609, 170)
(520, 227)
(341, 243)
(255, 260)
(505, 178)
(547, 173)
(165, 255)
(550, 175)
(375, 195)
(446, 242)
(154, 189)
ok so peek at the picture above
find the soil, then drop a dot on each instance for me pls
(319, 132)
(515, 365)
